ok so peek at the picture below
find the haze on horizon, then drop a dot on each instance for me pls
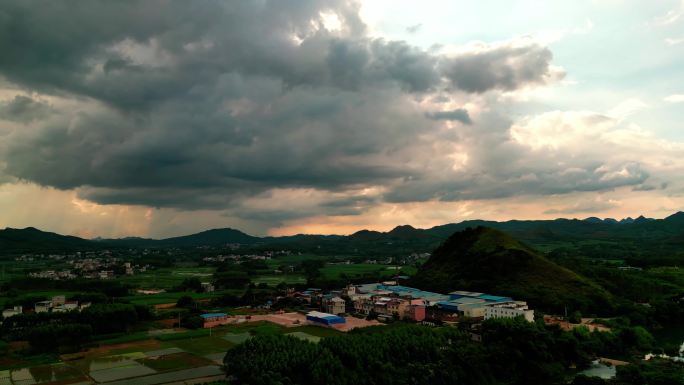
(161, 118)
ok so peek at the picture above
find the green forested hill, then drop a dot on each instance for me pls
(633, 240)
(487, 260)
(34, 240)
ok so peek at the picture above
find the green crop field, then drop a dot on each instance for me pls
(9, 268)
(201, 345)
(162, 298)
(175, 361)
(273, 280)
(166, 278)
(359, 269)
(294, 259)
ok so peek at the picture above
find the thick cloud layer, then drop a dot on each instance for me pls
(208, 105)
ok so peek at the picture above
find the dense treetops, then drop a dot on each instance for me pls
(512, 351)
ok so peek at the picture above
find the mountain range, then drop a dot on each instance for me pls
(628, 235)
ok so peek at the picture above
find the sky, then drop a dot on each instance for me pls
(160, 118)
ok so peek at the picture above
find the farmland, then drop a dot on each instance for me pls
(166, 278)
(177, 356)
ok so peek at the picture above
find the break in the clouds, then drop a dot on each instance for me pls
(274, 112)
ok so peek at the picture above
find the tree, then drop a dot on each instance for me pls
(231, 279)
(62, 337)
(192, 321)
(190, 284)
(186, 302)
(575, 317)
(312, 270)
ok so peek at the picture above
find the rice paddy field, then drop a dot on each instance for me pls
(194, 357)
(360, 269)
(164, 298)
(166, 278)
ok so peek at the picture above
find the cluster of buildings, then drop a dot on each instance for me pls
(264, 256)
(90, 268)
(58, 304)
(237, 258)
(56, 275)
(391, 301)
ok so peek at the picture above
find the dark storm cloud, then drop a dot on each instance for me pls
(23, 109)
(459, 115)
(486, 185)
(506, 67)
(206, 104)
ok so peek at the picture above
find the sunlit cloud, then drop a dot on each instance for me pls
(677, 98)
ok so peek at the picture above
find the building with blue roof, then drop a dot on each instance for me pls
(324, 319)
(466, 303)
(495, 298)
(213, 315)
(460, 294)
(214, 319)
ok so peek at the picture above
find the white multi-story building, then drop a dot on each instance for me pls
(13, 311)
(334, 305)
(509, 310)
(58, 300)
(207, 287)
(43, 306)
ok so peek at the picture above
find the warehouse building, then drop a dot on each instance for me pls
(214, 319)
(324, 319)
(509, 310)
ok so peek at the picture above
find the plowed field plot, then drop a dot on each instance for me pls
(175, 361)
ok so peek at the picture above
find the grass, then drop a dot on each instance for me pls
(9, 268)
(274, 280)
(21, 361)
(202, 346)
(166, 278)
(183, 335)
(294, 259)
(315, 331)
(131, 337)
(162, 298)
(304, 336)
(360, 269)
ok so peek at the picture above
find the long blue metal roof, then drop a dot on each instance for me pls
(212, 315)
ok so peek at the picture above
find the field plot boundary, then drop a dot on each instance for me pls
(169, 377)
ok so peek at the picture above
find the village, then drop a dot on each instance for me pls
(378, 303)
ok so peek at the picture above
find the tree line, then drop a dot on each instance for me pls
(68, 331)
(512, 351)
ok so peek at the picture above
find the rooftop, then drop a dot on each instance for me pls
(212, 315)
(319, 314)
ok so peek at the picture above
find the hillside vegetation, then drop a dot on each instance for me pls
(488, 260)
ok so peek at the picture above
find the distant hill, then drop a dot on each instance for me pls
(214, 237)
(488, 260)
(33, 240)
(594, 237)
